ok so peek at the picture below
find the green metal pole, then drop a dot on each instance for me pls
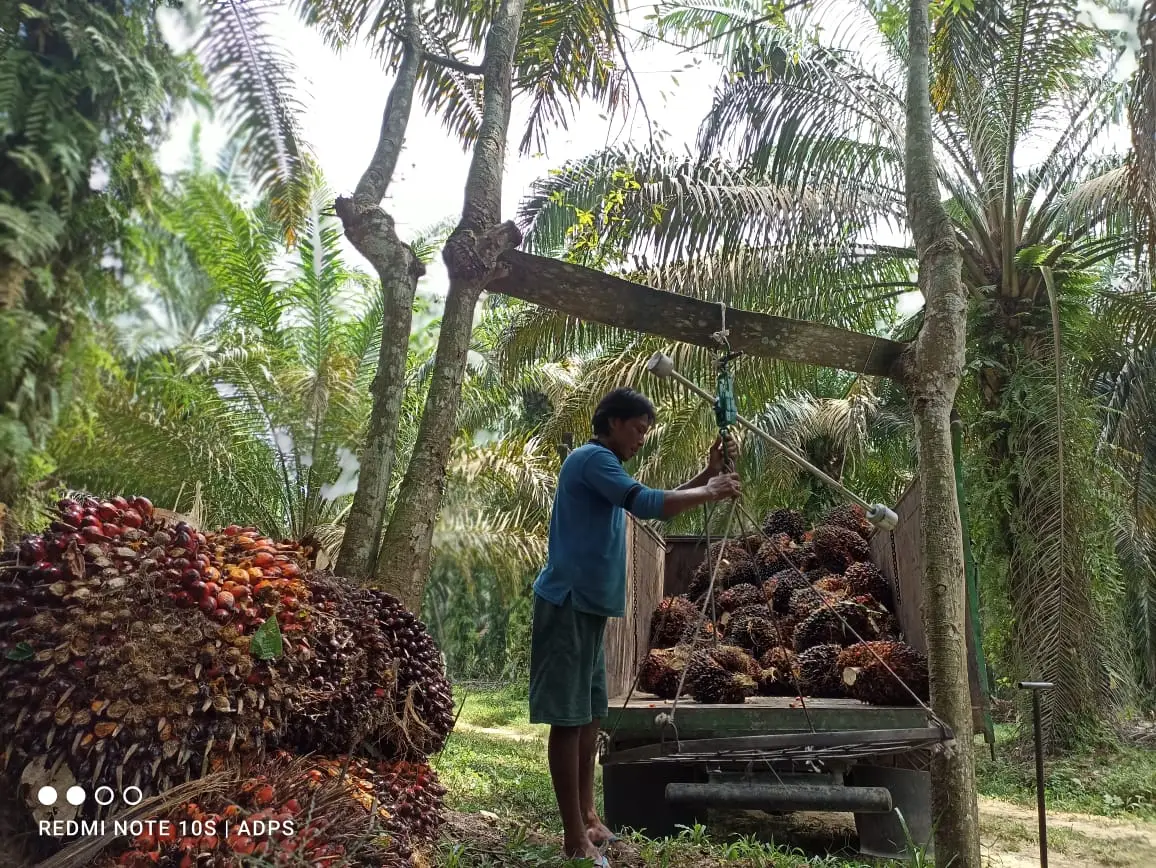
(972, 577)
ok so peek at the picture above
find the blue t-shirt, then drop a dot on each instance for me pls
(587, 553)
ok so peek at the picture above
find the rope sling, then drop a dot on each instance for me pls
(726, 415)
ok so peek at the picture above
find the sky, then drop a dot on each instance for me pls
(344, 97)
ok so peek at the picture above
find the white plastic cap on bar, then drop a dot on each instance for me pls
(882, 517)
(661, 365)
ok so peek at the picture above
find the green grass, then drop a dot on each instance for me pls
(1106, 780)
(502, 770)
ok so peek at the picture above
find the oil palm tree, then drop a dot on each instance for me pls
(794, 205)
(258, 415)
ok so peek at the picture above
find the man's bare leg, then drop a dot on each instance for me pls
(595, 828)
(566, 773)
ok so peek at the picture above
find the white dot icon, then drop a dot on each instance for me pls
(47, 796)
(75, 795)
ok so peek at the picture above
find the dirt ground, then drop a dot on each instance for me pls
(1010, 839)
(1008, 834)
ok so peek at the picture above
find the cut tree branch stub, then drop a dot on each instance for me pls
(597, 297)
(451, 63)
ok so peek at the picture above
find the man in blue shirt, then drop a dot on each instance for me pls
(583, 584)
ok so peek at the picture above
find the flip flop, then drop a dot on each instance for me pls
(601, 862)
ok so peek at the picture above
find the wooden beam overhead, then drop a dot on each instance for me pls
(603, 298)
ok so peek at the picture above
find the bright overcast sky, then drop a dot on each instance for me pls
(344, 97)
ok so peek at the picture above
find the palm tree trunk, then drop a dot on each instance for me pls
(371, 231)
(470, 255)
(932, 375)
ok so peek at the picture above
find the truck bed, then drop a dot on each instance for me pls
(759, 715)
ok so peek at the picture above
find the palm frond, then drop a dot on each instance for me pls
(255, 83)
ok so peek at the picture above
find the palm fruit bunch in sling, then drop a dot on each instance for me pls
(136, 650)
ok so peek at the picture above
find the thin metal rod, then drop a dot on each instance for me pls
(1040, 805)
(1037, 725)
(787, 451)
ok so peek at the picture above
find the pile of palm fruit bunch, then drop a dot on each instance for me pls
(294, 811)
(807, 610)
(138, 651)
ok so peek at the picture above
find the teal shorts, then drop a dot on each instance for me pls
(567, 665)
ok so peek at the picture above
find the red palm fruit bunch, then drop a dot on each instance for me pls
(865, 578)
(662, 669)
(819, 671)
(836, 548)
(746, 594)
(778, 552)
(785, 521)
(866, 678)
(851, 517)
(721, 674)
(736, 567)
(779, 588)
(408, 795)
(779, 675)
(754, 629)
(672, 620)
(376, 676)
(106, 668)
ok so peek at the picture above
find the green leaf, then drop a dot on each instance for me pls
(20, 652)
(266, 643)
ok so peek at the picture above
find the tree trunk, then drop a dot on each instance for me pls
(371, 231)
(471, 257)
(932, 373)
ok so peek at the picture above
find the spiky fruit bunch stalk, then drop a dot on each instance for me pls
(865, 677)
(837, 548)
(819, 672)
(710, 681)
(842, 623)
(661, 670)
(785, 521)
(739, 596)
(732, 571)
(780, 673)
(852, 517)
(864, 578)
(777, 553)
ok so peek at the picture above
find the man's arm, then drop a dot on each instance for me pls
(605, 474)
(718, 487)
(698, 481)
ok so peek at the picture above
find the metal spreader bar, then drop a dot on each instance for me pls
(882, 517)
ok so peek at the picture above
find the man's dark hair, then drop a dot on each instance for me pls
(621, 404)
